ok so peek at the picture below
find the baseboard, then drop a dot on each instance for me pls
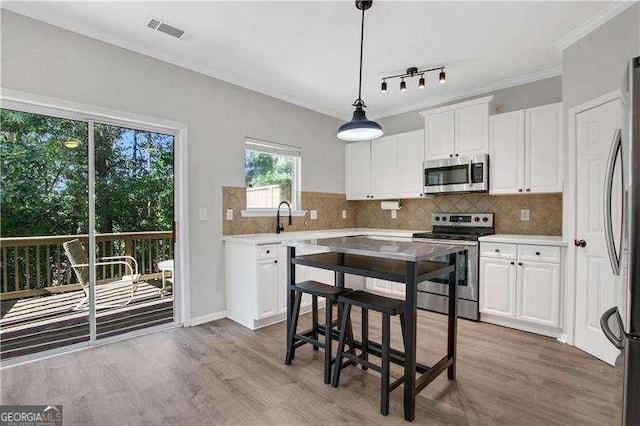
(523, 326)
(565, 338)
(207, 318)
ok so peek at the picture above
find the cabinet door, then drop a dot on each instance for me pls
(410, 159)
(378, 285)
(472, 130)
(282, 279)
(384, 167)
(538, 291)
(506, 153)
(544, 149)
(439, 135)
(399, 289)
(358, 170)
(267, 288)
(497, 287)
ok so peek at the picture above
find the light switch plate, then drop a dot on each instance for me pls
(313, 214)
(202, 214)
(394, 214)
(524, 215)
(229, 214)
(344, 214)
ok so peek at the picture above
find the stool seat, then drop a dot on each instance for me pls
(319, 289)
(373, 302)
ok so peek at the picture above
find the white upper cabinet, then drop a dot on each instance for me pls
(439, 135)
(458, 130)
(506, 153)
(384, 167)
(410, 156)
(526, 151)
(544, 148)
(472, 130)
(358, 170)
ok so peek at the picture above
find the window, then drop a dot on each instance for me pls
(272, 174)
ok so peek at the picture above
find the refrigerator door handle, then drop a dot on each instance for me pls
(618, 341)
(614, 258)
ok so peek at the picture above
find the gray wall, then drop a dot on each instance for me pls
(595, 64)
(46, 60)
(528, 95)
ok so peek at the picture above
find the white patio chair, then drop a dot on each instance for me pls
(78, 258)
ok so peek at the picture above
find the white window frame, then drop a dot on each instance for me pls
(259, 145)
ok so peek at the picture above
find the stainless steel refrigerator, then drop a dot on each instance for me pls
(621, 324)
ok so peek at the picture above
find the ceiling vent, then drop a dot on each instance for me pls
(164, 27)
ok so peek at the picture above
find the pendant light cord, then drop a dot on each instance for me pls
(361, 49)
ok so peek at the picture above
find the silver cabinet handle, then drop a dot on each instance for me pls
(608, 187)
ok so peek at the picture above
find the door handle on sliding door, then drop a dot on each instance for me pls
(614, 259)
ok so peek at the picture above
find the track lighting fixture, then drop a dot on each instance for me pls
(412, 72)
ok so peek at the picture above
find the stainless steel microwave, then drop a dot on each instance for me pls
(457, 174)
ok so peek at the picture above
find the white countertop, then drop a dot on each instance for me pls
(545, 240)
(255, 239)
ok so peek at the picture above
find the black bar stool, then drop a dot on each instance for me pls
(295, 340)
(387, 307)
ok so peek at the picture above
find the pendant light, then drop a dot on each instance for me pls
(360, 128)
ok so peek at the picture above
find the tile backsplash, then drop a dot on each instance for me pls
(329, 207)
(545, 213)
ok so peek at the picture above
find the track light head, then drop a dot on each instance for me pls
(443, 77)
(421, 82)
(403, 86)
(384, 86)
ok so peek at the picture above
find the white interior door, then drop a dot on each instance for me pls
(596, 285)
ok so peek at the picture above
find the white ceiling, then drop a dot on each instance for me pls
(307, 52)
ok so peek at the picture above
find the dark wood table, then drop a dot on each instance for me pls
(399, 261)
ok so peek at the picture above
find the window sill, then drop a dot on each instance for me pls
(271, 213)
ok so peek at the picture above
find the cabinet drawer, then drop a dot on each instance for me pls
(499, 250)
(539, 253)
(267, 251)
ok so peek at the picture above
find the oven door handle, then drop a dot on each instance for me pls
(469, 172)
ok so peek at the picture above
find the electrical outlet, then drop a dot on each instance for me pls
(394, 214)
(229, 214)
(202, 214)
(344, 214)
(313, 214)
(524, 215)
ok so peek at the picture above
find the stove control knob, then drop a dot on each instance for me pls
(444, 218)
(477, 219)
(485, 219)
(437, 218)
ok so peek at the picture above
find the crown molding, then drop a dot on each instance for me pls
(591, 24)
(477, 90)
(30, 11)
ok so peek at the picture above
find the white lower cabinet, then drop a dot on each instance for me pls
(521, 287)
(388, 288)
(498, 287)
(256, 282)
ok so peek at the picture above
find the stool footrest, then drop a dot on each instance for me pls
(306, 339)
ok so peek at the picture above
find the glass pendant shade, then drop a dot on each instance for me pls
(359, 128)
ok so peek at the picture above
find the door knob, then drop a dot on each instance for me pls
(580, 243)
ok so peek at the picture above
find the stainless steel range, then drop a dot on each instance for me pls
(456, 228)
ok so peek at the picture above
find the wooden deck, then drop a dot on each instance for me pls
(41, 323)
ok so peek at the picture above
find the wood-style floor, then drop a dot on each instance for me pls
(223, 373)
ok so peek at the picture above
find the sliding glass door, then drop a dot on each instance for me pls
(86, 233)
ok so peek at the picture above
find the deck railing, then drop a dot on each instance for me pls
(32, 263)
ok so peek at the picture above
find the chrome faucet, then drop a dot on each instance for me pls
(280, 227)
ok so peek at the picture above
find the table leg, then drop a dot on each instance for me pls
(410, 342)
(453, 316)
(291, 280)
